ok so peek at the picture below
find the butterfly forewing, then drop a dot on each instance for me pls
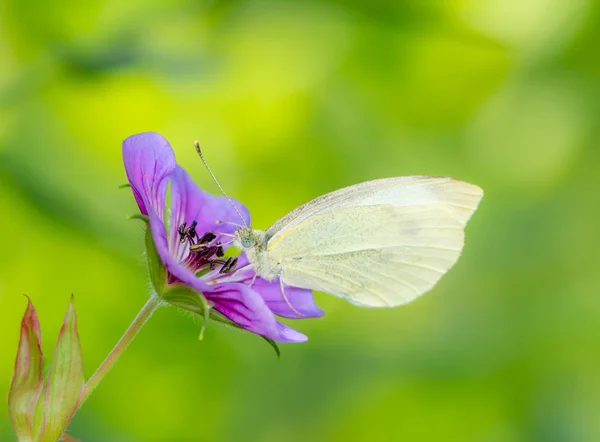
(380, 243)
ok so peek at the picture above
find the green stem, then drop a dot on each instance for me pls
(153, 303)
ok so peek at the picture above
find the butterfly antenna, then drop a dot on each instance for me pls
(197, 146)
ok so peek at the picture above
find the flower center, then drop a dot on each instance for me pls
(205, 253)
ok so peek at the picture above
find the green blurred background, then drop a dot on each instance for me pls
(292, 99)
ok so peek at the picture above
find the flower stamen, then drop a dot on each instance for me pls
(228, 266)
(192, 230)
(182, 231)
(202, 254)
(207, 237)
(220, 252)
(188, 233)
(202, 251)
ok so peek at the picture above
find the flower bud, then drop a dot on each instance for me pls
(40, 410)
(27, 381)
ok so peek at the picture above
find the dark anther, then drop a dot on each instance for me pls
(228, 266)
(203, 251)
(220, 251)
(207, 237)
(187, 232)
(192, 230)
(182, 232)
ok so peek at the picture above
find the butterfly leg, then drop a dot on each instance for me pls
(287, 301)
(253, 279)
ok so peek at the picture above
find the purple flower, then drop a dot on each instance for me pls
(190, 239)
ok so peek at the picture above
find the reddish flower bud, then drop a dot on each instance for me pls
(40, 410)
(27, 381)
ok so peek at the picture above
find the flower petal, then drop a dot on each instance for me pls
(246, 308)
(148, 160)
(190, 203)
(288, 334)
(173, 266)
(301, 299)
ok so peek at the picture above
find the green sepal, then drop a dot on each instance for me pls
(187, 299)
(140, 217)
(205, 316)
(191, 301)
(124, 186)
(156, 268)
(27, 381)
(274, 345)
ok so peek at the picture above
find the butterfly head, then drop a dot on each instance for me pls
(249, 239)
(244, 238)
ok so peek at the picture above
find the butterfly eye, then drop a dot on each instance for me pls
(247, 241)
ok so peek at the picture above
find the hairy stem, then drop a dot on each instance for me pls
(140, 320)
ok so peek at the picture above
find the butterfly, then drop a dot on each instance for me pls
(380, 243)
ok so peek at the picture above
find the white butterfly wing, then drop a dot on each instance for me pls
(378, 244)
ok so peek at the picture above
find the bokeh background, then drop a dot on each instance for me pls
(292, 99)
